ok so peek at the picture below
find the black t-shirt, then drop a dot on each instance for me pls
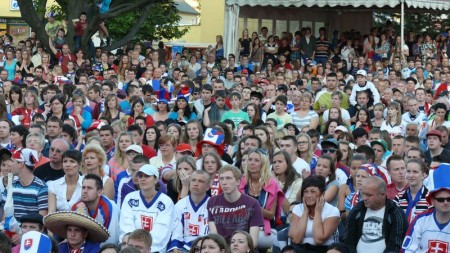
(46, 173)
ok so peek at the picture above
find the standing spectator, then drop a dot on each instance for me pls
(322, 50)
(308, 45)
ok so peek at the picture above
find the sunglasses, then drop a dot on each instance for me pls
(329, 150)
(441, 200)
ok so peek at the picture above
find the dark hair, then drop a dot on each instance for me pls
(109, 246)
(72, 154)
(70, 131)
(339, 246)
(158, 135)
(135, 127)
(15, 89)
(136, 101)
(140, 159)
(312, 181)
(254, 137)
(367, 151)
(391, 158)
(5, 243)
(107, 128)
(22, 131)
(290, 173)
(96, 178)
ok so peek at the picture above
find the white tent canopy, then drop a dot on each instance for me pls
(232, 10)
(426, 4)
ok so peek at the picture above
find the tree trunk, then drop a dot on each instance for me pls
(73, 8)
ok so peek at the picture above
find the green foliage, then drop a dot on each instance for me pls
(161, 23)
(419, 22)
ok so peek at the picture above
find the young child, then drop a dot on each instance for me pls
(235, 114)
(71, 73)
(215, 112)
(60, 39)
(80, 25)
(280, 115)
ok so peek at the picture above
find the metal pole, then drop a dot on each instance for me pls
(402, 26)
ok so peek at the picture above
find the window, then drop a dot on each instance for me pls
(280, 26)
(317, 26)
(294, 25)
(269, 24)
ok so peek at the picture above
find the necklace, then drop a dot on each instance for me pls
(255, 189)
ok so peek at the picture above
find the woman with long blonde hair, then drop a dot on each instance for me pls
(119, 162)
(259, 183)
(94, 160)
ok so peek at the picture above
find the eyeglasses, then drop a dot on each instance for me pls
(329, 150)
(441, 200)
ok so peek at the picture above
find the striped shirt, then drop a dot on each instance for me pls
(322, 47)
(305, 121)
(412, 207)
(28, 199)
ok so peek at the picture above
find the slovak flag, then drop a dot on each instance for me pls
(214, 136)
(35, 242)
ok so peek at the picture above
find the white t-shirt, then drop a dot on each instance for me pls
(372, 240)
(327, 212)
(300, 165)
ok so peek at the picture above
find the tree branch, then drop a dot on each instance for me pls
(133, 31)
(62, 3)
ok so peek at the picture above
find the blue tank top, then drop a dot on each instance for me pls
(11, 69)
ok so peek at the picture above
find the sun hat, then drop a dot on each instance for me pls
(57, 223)
(214, 138)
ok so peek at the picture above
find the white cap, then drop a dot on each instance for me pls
(135, 148)
(341, 128)
(149, 170)
(361, 72)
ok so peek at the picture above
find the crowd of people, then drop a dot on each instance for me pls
(298, 144)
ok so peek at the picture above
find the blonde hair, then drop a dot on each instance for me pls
(176, 183)
(99, 152)
(310, 152)
(399, 113)
(120, 156)
(265, 174)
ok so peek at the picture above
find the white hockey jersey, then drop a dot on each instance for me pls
(157, 217)
(426, 235)
(191, 222)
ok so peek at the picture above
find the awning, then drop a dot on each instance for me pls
(422, 4)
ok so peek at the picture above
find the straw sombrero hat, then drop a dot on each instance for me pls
(57, 223)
